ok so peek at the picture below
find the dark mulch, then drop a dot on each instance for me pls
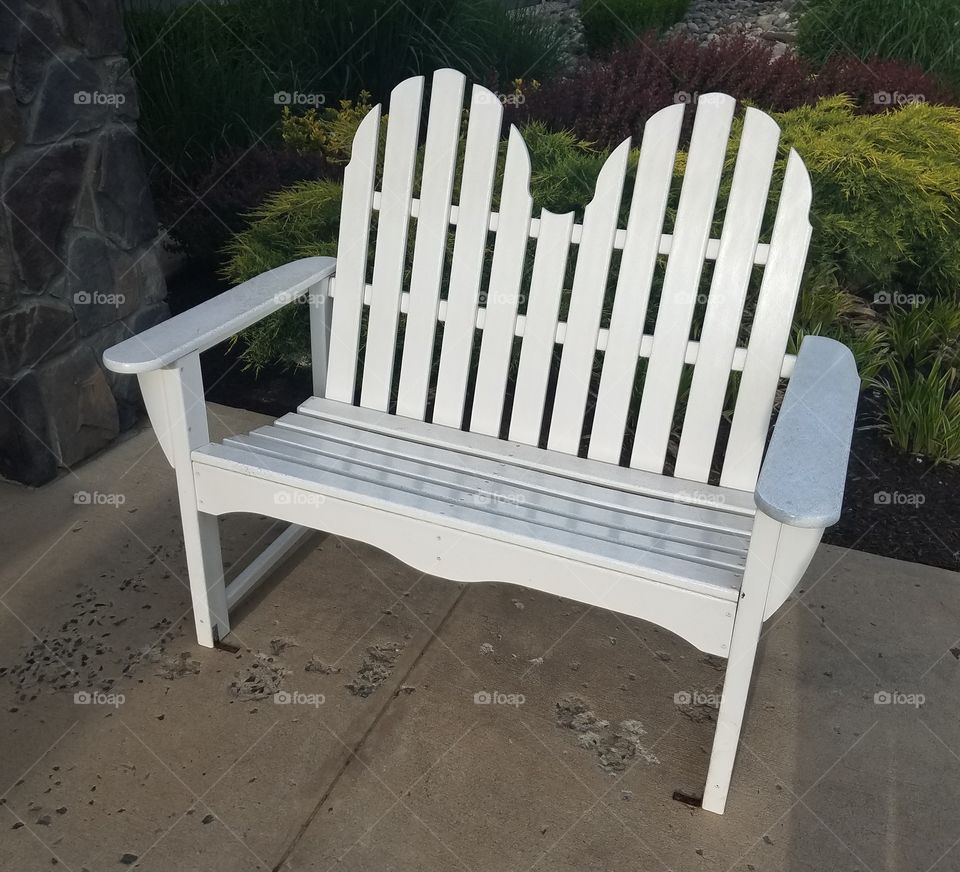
(895, 505)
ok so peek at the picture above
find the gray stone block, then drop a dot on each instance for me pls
(96, 25)
(39, 194)
(11, 13)
(25, 455)
(10, 132)
(34, 332)
(38, 37)
(93, 286)
(71, 101)
(122, 197)
(81, 412)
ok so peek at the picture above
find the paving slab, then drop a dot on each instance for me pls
(123, 737)
(849, 759)
(501, 728)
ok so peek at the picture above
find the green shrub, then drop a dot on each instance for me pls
(924, 32)
(209, 75)
(921, 385)
(301, 221)
(923, 411)
(886, 194)
(607, 23)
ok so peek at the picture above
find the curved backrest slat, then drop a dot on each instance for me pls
(698, 197)
(355, 218)
(540, 326)
(399, 163)
(430, 248)
(600, 220)
(503, 291)
(473, 218)
(651, 190)
(501, 241)
(728, 293)
(770, 329)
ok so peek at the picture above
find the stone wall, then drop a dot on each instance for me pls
(78, 263)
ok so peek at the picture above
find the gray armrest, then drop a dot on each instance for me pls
(803, 475)
(217, 319)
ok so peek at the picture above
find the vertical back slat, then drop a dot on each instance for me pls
(770, 330)
(644, 227)
(355, 214)
(503, 293)
(586, 302)
(540, 326)
(433, 224)
(399, 163)
(728, 292)
(473, 218)
(698, 198)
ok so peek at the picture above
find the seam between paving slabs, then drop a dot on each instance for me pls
(358, 745)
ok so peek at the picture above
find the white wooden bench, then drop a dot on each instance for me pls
(368, 457)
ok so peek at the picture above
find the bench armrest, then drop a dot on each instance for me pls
(803, 475)
(219, 318)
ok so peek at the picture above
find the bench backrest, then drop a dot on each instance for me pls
(482, 327)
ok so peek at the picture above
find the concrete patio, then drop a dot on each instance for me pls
(169, 762)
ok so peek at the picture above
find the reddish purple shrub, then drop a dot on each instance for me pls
(229, 187)
(607, 99)
(880, 85)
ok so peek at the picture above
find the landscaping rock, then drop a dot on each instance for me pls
(707, 19)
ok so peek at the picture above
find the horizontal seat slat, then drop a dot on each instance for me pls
(530, 517)
(642, 507)
(716, 582)
(500, 496)
(635, 481)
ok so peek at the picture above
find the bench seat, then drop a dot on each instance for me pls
(330, 457)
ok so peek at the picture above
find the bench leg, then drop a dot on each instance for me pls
(184, 427)
(201, 539)
(743, 648)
